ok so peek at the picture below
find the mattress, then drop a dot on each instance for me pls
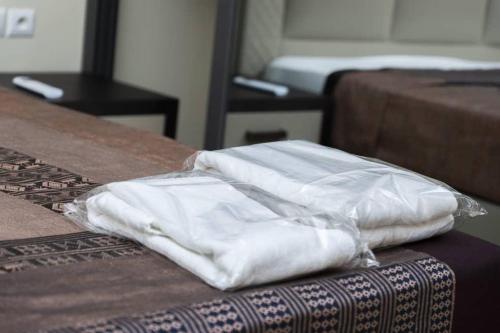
(311, 73)
(55, 275)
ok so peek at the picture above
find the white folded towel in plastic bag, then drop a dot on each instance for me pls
(212, 229)
(390, 205)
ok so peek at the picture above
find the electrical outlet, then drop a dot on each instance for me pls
(20, 22)
(3, 14)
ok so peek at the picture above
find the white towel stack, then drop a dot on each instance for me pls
(390, 205)
(215, 231)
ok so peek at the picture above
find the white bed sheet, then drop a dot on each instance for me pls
(310, 73)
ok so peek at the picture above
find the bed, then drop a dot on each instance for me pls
(316, 46)
(56, 277)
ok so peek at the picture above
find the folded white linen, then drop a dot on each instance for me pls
(373, 194)
(214, 230)
(398, 234)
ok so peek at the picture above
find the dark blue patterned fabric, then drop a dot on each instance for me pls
(42, 184)
(415, 296)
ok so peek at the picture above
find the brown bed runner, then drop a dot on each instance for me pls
(443, 124)
(411, 291)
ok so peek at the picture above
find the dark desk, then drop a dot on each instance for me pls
(242, 99)
(102, 97)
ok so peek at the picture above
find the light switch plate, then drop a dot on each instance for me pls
(3, 15)
(20, 22)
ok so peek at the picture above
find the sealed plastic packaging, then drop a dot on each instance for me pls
(229, 233)
(390, 205)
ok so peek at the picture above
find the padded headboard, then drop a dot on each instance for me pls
(461, 28)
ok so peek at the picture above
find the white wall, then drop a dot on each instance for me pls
(166, 46)
(58, 40)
